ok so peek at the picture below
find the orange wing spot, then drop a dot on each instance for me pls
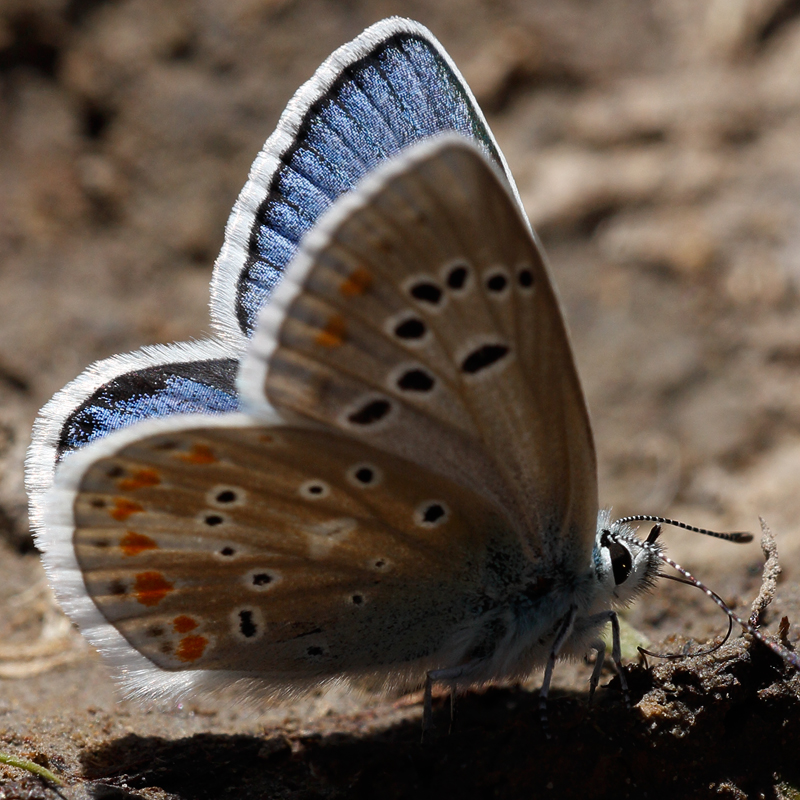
(332, 335)
(151, 588)
(140, 479)
(190, 648)
(184, 624)
(199, 454)
(359, 281)
(123, 508)
(133, 543)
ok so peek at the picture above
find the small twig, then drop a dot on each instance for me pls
(769, 580)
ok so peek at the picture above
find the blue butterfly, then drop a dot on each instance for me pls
(382, 465)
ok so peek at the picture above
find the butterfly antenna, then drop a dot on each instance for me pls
(740, 537)
(782, 652)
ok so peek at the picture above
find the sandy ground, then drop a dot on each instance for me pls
(656, 144)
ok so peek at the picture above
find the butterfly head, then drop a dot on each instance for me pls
(625, 565)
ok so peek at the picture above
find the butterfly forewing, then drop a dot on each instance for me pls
(420, 318)
(242, 548)
(389, 88)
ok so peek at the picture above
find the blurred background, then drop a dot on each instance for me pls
(656, 146)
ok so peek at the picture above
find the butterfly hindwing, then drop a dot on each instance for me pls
(278, 551)
(186, 378)
(420, 318)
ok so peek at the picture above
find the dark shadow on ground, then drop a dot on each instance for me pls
(723, 725)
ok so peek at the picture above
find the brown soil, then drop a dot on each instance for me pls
(656, 144)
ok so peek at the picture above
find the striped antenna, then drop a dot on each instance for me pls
(740, 537)
(782, 652)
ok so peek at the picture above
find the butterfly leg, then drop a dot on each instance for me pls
(563, 634)
(600, 648)
(441, 676)
(616, 656)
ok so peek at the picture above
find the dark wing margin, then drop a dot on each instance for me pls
(185, 378)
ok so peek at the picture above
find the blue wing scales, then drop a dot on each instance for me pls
(386, 90)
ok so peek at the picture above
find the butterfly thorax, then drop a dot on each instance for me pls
(525, 606)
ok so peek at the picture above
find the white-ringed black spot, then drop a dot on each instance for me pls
(457, 277)
(370, 413)
(426, 292)
(247, 627)
(212, 520)
(431, 514)
(314, 490)
(380, 564)
(411, 329)
(248, 623)
(496, 282)
(357, 599)
(227, 551)
(415, 380)
(364, 475)
(482, 357)
(261, 579)
(226, 496)
(525, 277)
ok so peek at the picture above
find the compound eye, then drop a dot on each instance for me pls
(621, 560)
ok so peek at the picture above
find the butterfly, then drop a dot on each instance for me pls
(382, 465)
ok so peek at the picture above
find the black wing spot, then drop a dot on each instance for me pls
(497, 283)
(115, 472)
(357, 599)
(365, 475)
(226, 496)
(525, 278)
(247, 625)
(433, 513)
(227, 551)
(315, 489)
(483, 357)
(98, 502)
(315, 651)
(213, 520)
(410, 329)
(261, 579)
(457, 277)
(371, 413)
(416, 380)
(427, 292)
(117, 588)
